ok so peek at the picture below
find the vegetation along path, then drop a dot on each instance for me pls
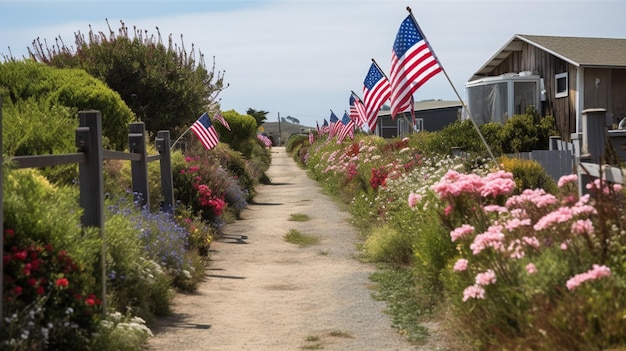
(265, 293)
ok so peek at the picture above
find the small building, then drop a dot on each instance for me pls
(558, 76)
(430, 115)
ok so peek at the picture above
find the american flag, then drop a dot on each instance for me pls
(204, 130)
(265, 140)
(413, 63)
(376, 91)
(334, 124)
(357, 110)
(347, 128)
(218, 116)
(325, 127)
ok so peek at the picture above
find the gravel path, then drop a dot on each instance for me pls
(267, 294)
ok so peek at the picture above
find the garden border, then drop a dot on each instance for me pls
(90, 156)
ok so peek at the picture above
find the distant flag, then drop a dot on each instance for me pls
(204, 130)
(357, 110)
(334, 127)
(376, 91)
(347, 128)
(325, 127)
(319, 130)
(413, 63)
(264, 139)
(218, 116)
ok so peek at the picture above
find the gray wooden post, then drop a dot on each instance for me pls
(139, 169)
(167, 184)
(91, 180)
(594, 136)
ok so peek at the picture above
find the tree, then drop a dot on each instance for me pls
(165, 86)
(260, 116)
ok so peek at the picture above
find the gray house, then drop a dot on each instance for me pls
(558, 76)
(430, 115)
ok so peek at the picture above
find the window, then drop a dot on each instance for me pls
(560, 82)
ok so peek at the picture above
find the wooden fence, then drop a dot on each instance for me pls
(90, 156)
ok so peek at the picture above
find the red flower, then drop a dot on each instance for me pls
(32, 281)
(20, 256)
(62, 282)
(17, 290)
(90, 302)
(40, 290)
(9, 232)
(48, 247)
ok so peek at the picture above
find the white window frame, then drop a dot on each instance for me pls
(564, 93)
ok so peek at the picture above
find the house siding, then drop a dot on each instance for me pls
(533, 59)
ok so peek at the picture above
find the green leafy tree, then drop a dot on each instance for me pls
(259, 116)
(166, 86)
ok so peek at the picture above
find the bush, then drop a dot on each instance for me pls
(385, 244)
(528, 174)
(72, 88)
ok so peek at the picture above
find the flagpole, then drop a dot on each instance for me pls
(453, 88)
(412, 103)
(171, 147)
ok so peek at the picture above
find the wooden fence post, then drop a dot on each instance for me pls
(91, 180)
(167, 184)
(139, 169)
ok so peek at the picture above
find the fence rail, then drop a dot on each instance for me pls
(90, 157)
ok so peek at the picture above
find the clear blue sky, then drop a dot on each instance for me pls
(302, 58)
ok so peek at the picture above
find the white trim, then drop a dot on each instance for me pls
(557, 77)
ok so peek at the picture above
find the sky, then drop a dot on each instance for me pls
(302, 58)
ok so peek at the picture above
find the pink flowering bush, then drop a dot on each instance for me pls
(535, 268)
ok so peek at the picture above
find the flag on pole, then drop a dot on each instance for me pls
(325, 127)
(204, 130)
(413, 63)
(218, 116)
(357, 110)
(264, 139)
(347, 128)
(376, 91)
(334, 127)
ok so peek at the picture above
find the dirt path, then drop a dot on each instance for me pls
(268, 294)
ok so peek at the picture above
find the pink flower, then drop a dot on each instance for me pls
(473, 292)
(563, 246)
(486, 278)
(461, 231)
(595, 273)
(460, 265)
(566, 179)
(582, 226)
(531, 269)
(447, 211)
(561, 215)
(493, 238)
(414, 199)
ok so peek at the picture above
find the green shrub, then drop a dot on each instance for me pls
(386, 244)
(528, 174)
(71, 88)
(242, 136)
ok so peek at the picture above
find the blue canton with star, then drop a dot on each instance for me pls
(408, 35)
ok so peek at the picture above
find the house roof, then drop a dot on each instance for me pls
(578, 51)
(425, 105)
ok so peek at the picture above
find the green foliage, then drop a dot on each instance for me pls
(527, 132)
(296, 237)
(299, 217)
(49, 265)
(259, 116)
(528, 174)
(397, 288)
(386, 244)
(242, 136)
(55, 89)
(166, 86)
